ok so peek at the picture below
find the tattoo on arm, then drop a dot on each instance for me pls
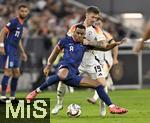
(97, 44)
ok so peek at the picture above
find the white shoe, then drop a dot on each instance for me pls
(103, 109)
(3, 97)
(56, 109)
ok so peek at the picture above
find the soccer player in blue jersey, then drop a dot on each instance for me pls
(10, 47)
(68, 67)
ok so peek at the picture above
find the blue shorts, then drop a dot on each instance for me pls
(72, 79)
(9, 61)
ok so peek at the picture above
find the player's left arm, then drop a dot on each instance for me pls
(22, 52)
(102, 45)
(94, 44)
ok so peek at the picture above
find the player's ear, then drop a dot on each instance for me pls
(86, 15)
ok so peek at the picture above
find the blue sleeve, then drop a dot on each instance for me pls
(62, 43)
(10, 25)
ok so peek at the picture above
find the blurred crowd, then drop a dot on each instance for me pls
(49, 21)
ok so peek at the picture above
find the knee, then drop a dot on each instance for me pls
(17, 74)
(63, 73)
(104, 84)
(97, 84)
(62, 76)
(8, 73)
(101, 82)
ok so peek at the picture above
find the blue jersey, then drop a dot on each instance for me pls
(73, 53)
(12, 40)
(11, 44)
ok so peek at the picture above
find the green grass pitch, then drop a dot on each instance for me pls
(136, 101)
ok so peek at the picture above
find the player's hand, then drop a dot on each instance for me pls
(24, 56)
(46, 70)
(115, 61)
(124, 40)
(85, 42)
(2, 51)
(138, 47)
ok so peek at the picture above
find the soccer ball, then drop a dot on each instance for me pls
(73, 110)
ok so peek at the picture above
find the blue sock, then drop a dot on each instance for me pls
(14, 82)
(4, 84)
(102, 94)
(50, 81)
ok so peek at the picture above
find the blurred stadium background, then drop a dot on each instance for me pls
(50, 19)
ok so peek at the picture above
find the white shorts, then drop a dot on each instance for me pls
(94, 72)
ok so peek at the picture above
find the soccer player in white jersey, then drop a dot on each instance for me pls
(108, 62)
(90, 62)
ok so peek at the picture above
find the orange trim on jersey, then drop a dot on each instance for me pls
(21, 21)
(6, 29)
(72, 29)
(98, 30)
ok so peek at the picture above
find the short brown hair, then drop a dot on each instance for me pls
(93, 9)
(23, 5)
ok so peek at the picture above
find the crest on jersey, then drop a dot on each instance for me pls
(95, 38)
(90, 33)
(8, 24)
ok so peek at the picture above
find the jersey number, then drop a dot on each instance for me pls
(17, 34)
(71, 48)
(97, 68)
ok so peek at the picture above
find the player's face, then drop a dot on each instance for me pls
(91, 18)
(23, 12)
(79, 34)
(99, 23)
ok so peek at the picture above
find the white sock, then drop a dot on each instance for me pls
(38, 90)
(71, 89)
(61, 90)
(112, 105)
(95, 96)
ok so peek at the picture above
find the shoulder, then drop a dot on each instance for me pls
(65, 40)
(97, 29)
(108, 35)
(12, 21)
(72, 29)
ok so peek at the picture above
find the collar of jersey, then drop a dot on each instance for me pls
(21, 21)
(74, 40)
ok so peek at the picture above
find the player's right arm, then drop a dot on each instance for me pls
(7, 29)
(115, 55)
(3, 34)
(57, 49)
